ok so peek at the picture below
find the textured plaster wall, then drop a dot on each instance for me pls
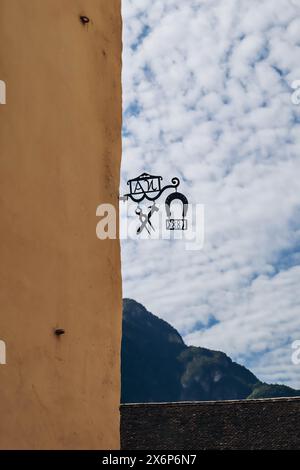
(60, 150)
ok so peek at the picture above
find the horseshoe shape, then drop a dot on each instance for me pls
(172, 197)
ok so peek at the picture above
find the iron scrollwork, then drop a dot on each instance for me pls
(149, 187)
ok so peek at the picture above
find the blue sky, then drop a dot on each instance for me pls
(207, 97)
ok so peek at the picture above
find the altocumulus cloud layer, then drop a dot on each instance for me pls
(207, 97)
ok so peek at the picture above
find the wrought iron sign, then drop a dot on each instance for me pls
(149, 187)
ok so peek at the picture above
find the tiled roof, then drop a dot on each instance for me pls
(247, 424)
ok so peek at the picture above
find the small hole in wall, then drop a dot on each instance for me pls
(59, 331)
(84, 19)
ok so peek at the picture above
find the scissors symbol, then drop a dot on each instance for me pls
(145, 218)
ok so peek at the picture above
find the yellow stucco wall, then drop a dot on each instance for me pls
(60, 150)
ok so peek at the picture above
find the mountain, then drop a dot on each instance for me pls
(157, 366)
(150, 348)
(273, 391)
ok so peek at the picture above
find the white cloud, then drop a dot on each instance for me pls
(207, 97)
